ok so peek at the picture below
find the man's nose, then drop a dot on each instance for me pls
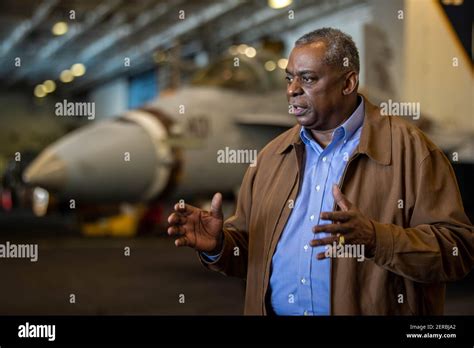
(294, 89)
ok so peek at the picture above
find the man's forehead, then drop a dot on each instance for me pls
(308, 56)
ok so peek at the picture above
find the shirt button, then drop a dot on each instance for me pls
(305, 313)
(318, 187)
(303, 281)
(324, 159)
(305, 247)
(345, 141)
(311, 217)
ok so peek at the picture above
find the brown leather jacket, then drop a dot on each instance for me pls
(420, 246)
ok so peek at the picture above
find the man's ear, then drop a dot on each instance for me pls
(350, 83)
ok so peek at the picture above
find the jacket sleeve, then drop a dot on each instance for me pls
(232, 260)
(438, 245)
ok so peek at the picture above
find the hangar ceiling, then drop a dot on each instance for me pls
(105, 32)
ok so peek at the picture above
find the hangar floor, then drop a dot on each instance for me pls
(105, 281)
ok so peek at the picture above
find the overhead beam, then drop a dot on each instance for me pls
(55, 45)
(22, 30)
(302, 15)
(264, 14)
(126, 30)
(92, 19)
(148, 45)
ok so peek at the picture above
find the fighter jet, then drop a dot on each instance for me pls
(191, 143)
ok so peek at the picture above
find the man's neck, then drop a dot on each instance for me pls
(324, 137)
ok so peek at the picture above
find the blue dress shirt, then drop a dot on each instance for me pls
(300, 284)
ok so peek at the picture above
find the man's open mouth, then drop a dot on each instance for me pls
(299, 110)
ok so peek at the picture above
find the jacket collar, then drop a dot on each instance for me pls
(375, 139)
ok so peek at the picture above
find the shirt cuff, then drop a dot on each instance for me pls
(210, 258)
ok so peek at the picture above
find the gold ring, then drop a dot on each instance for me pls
(341, 240)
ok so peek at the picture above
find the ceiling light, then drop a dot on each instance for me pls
(60, 28)
(78, 69)
(282, 63)
(66, 76)
(250, 52)
(49, 86)
(233, 50)
(270, 65)
(40, 91)
(279, 3)
(241, 48)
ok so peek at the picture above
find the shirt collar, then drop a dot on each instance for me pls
(375, 138)
(344, 131)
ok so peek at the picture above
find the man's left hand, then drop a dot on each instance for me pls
(350, 223)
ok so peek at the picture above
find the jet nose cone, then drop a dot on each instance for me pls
(118, 160)
(47, 171)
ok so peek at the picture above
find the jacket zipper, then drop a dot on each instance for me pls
(341, 182)
(298, 183)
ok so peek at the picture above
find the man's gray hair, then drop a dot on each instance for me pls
(341, 50)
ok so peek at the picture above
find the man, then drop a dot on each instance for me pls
(344, 176)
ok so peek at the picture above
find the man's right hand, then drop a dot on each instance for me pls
(197, 228)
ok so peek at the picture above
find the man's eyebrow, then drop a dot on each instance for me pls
(302, 72)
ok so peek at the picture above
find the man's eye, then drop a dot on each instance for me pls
(307, 79)
(288, 79)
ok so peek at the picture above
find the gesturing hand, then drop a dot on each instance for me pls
(197, 228)
(350, 223)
